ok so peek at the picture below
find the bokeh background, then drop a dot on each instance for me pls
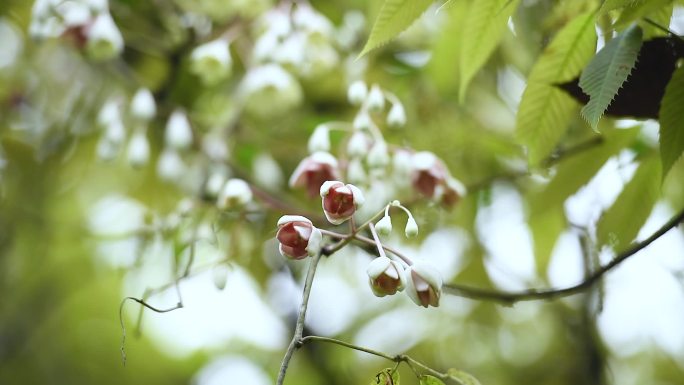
(80, 231)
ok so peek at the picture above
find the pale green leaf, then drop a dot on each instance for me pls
(462, 377)
(577, 170)
(546, 226)
(610, 5)
(672, 121)
(386, 377)
(443, 67)
(484, 27)
(545, 110)
(395, 16)
(430, 380)
(607, 71)
(620, 224)
(643, 8)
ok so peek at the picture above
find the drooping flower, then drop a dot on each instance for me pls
(178, 134)
(423, 284)
(386, 277)
(357, 92)
(211, 61)
(298, 237)
(340, 201)
(143, 106)
(235, 194)
(313, 170)
(431, 178)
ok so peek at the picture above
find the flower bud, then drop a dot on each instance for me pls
(138, 149)
(357, 92)
(384, 226)
(143, 106)
(115, 132)
(357, 145)
(298, 237)
(170, 166)
(452, 191)
(270, 90)
(313, 170)
(378, 156)
(355, 172)
(109, 113)
(215, 182)
(235, 194)
(211, 61)
(362, 121)
(220, 275)
(320, 139)
(178, 133)
(386, 277)
(375, 100)
(396, 117)
(340, 201)
(104, 38)
(411, 229)
(107, 150)
(423, 284)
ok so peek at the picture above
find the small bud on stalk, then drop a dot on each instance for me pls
(357, 92)
(235, 194)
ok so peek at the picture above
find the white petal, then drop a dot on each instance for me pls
(315, 242)
(378, 266)
(357, 194)
(292, 218)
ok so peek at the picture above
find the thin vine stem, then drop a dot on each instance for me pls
(299, 326)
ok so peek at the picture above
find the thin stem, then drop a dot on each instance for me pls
(299, 326)
(510, 298)
(398, 358)
(381, 250)
(664, 29)
(394, 251)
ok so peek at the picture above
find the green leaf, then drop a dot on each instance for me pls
(462, 377)
(672, 122)
(576, 171)
(387, 376)
(545, 110)
(443, 67)
(484, 27)
(620, 224)
(430, 380)
(546, 226)
(395, 16)
(607, 71)
(642, 8)
(610, 5)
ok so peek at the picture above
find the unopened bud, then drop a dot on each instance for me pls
(178, 132)
(355, 172)
(340, 201)
(138, 149)
(384, 226)
(357, 92)
(357, 145)
(115, 132)
(376, 100)
(298, 237)
(411, 229)
(104, 38)
(143, 106)
(362, 121)
(220, 275)
(235, 194)
(170, 166)
(378, 156)
(396, 117)
(320, 139)
(211, 61)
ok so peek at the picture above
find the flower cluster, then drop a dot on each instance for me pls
(368, 160)
(86, 22)
(299, 238)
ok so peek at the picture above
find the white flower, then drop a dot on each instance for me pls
(270, 90)
(357, 92)
(235, 194)
(355, 172)
(138, 149)
(109, 113)
(211, 61)
(170, 166)
(178, 132)
(423, 284)
(73, 13)
(320, 139)
(311, 21)
(267, 172)
(143, 106)
(107, 150)
(378, 156)
(220, 275)
(215, 181)
(357, 145)
(386, 277)
(375, 100)
(396, 117)
(115, 132)
(104, 38)
(362, 121)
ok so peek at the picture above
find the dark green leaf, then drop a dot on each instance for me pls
(672, 122)
(607, 71)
